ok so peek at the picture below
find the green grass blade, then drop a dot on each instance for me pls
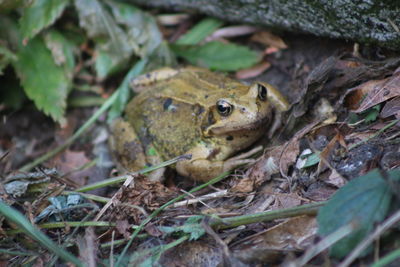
(20, 220)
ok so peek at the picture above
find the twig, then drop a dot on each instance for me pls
(131, 176)
(232, 222)
(221, 193)
(392, 123)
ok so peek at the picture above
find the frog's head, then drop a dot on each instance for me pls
(248, 109)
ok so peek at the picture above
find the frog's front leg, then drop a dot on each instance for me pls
(202, 168)
(129, 152)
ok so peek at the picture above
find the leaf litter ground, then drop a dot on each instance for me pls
(331, 136)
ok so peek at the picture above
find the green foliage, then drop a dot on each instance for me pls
(369, 115)
(15, 217)
(45, 60)
(364, 201)
(62, 51)
(41, 14)
(192, 226)
(312, 159)
(44, 82)
(112, 47)
(197, 34)
(6, 56)
(124, 92)
(218, 56)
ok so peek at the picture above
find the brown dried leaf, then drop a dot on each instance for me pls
(71, 160)
(338, 138)
(295, 234)
(392, 107)
(289, 155)
(142, 196)
(284, 201)
(319, 191)
(269, 39)
(336, 179)
(253, 71)
(195, 253)
(376, 92)
(123, 227)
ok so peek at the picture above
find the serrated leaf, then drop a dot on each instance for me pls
(218, 56)
(112, 47)
(364, 200)
(40, 15)
(62, 51)
(202, 29)
(43, 81)
(142, 31)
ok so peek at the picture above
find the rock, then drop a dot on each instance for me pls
(364, 21)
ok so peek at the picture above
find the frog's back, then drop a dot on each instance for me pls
(173, 127)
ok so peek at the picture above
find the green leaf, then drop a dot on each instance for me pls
(123, 91)
(62, 51)
(193, 227)
(199, 32)
(40, 15)
(113, 48)
(43, 81)
(6, 56)
(218, 56)
(372, 113)
(142, 31)
(364, 200)
(312, 159)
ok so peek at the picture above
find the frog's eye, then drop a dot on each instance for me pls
(262, 92)
(224, 108)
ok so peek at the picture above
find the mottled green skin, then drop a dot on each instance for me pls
(364, 21)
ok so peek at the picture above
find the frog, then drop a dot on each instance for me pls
(197, 112)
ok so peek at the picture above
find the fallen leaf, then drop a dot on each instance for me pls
(392, 107)
(123, 227)
(253, 71)
(269, 39)
(295, 234)
(231, 31)
(329, 149)
(195, 253)
(335, 179)
(373, 92)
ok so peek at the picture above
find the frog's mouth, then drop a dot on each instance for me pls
(232, 128)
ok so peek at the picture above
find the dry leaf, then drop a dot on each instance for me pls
(374, 91)
(253, 71)
(335, 179)
(295, 234)
(269, 39)
(392, 107)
